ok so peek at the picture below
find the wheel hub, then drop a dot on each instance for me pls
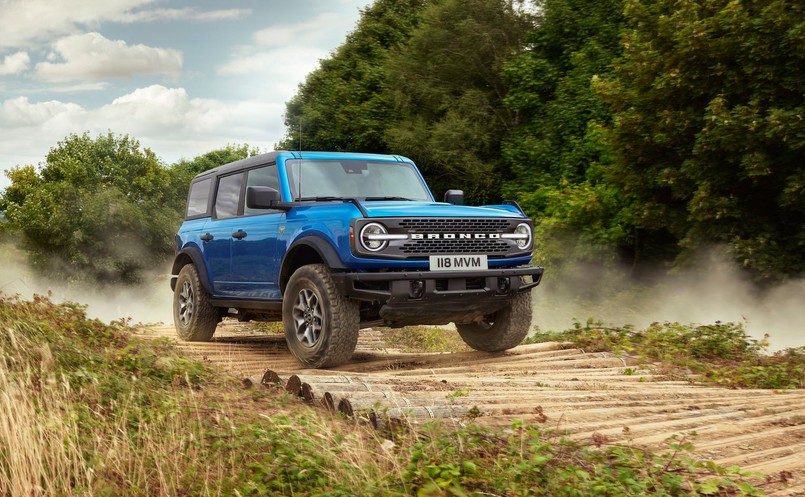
(308, 317)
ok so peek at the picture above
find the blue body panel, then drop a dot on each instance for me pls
(250, 267)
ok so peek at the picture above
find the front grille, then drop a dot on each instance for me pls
(445, 236)
(463, 225)
(435, 247)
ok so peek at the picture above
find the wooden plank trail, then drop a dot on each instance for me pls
(547, 384)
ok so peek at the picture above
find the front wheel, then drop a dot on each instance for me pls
(502, 330)
(194, 316)
(321, 325)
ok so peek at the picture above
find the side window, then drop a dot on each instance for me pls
(264, 176)
(227, 199)
(198, 199)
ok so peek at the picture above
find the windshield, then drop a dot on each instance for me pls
(310, 179)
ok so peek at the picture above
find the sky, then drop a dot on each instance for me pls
(182, 77)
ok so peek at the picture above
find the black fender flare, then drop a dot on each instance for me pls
(190, 255)
(319, 245)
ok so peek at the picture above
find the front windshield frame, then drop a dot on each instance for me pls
(355, 178)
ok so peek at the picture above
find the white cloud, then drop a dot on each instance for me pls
(187, 14)
(167, 120)
(31, 21)
(281, 68)
(15, 63)
(285, 53)
(320, 30)
(93, 57)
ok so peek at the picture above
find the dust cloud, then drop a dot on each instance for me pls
(149, 302)
(709, 289)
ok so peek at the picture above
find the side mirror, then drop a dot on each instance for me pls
(455, 197)
(262, 197)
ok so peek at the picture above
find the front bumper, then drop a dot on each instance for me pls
(438, 297)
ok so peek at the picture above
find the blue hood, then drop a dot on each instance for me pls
(437, 209)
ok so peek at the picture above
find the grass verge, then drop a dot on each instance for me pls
(90, 410)
(720, 353)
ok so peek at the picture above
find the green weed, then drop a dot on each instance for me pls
(721, 353)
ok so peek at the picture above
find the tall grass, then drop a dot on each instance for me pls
(87, 410)
(39, 450)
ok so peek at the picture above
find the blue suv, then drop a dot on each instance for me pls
(329, 243)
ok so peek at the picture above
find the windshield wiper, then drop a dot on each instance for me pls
(386, 198)
(327, 198)
(319, 199)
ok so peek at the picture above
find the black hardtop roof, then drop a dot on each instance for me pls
(255, 160)
(262, 159)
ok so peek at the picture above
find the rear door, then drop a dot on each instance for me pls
(219, 233)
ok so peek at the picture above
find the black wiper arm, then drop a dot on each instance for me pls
(353, 200)
(386, 198)
(319, 199)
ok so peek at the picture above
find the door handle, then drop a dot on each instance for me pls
(239, 234)
(206, 237)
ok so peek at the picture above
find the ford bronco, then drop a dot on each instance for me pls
(329, 243)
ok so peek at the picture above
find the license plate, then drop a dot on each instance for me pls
(457, 262)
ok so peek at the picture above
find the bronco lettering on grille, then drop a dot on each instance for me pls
(453, 236)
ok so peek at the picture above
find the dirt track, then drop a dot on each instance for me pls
(759, 430)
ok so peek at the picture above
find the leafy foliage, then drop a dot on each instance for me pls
(720, 353)
(448, 90)
(94, 211)
(558, 153)
(708, 134)
(102, 210)
(343, 105)
(529, 461)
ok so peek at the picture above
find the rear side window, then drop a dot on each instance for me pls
(263, 176)
(197, 201)
(227, 199)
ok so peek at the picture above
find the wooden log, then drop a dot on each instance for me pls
(349, 404)
(351, 407)
(325, 378)
(329, 401)
(270, 378)
(320, 388)
(267, 379)
(294, 386)
(307, 393)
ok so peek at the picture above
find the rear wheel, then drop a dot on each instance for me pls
(321, 325)
(502, 330)
(194, 316)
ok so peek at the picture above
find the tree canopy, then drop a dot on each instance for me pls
(104, 209)
(708, 130)
(94, 211)
(342, 106)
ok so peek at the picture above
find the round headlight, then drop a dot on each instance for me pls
(523, 229)
(369, 237)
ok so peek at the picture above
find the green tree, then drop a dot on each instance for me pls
(94, 211)
(557, 153)
(708, 127)
(342, 105)
(448, 92)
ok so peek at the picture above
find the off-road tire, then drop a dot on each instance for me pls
(194, 316)
(502, 330)
(321, 325)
